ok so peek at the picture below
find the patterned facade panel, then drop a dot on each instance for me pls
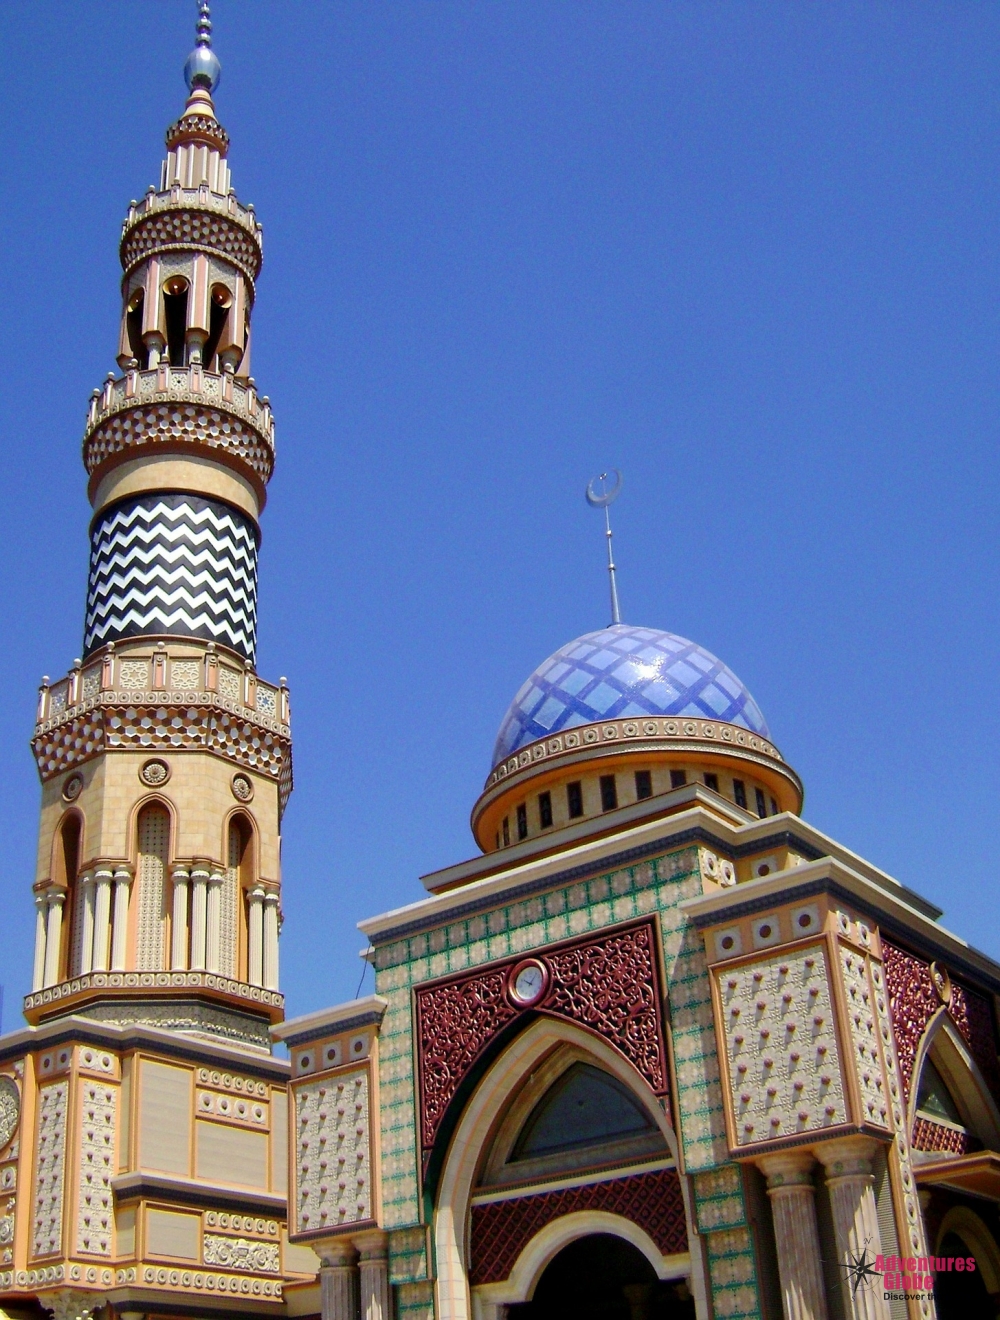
(783, 1061)
(50, 1169)
(916, 994)
(95, 1210)
(333, 1171)
(502, 1229)
(937, 1137)
(863, 1033)
(610, 985)
(173, 564)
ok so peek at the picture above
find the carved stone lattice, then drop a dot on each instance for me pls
(609, 984)
(241, 1254)
(502, 1229)
(936, 1137)
(97, 1167)
(864, 1037)
(10, 1110)
(50, 1153)
(914, 999)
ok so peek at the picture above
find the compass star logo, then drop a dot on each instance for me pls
(860, 1268)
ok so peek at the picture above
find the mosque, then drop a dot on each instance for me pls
(659, 1050)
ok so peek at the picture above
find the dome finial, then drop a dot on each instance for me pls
(599, 495)
(202, 68)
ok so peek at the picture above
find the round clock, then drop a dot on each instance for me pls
(10, 1110)
(528, 982)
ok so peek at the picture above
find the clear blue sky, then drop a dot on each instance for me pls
(746, 252)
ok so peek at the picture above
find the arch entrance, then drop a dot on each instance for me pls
(603, 1277)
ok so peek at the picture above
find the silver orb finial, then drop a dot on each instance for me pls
(202, 67)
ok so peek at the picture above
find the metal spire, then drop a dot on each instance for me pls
(203, 68)
(600, 498)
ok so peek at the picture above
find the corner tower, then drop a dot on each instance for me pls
(165, 761)
(143, 1142)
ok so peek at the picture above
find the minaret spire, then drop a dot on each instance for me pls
(202, 67)
(599, 495)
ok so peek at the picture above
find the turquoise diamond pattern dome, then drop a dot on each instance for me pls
(621, 672)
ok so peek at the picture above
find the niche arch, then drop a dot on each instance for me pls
(944, 1048)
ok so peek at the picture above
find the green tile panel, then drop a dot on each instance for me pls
(733, 1275)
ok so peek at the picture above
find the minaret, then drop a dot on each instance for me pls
(142, 1135)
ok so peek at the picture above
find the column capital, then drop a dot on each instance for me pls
(257, 893)
(87, 879)
(105, 873)
(56, 896)
(847, 1156)
(787, 1170)
(41, 901)
(336, 1253)
(373, 1244)
(180, 875)
(201, 871)
(123, 874)
(216, 878)
(271, 898)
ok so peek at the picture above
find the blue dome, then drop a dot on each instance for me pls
(620, 672)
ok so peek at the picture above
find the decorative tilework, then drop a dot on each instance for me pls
(733, 1274)
(718, 1197)
(619, 672)
(408, 1255)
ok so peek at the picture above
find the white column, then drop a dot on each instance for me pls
(119, 920)
(255, 931)
(102, 919)
(271, 941)
(86, 910)
(213, 922)
(793, 1209)
(53, 935)
(338, 1281)
(848, 1166)
(38, 973)
(199, 907)
(179, 925)
(373, 1249)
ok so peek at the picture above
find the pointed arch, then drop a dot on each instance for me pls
(67, 855)
(241, 850)
(944, 1049)
(475, 1131)
(153, 833)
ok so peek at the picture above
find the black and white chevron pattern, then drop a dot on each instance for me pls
(173, 564)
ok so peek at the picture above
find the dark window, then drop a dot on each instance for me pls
(609, 793)
(133, 322)
(545, 810)
(506, 831)
(175, 302)
(712, 782)
(574, 799)
(643, 784)
(774, 807)
(522, 821)
(934, 1098)
(740, 792)
(221, 302)
(761, 804)
(678, 778)
(585, 1107)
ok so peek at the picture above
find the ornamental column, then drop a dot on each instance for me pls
(213, 922)
(255, 932)
(53, 935)
(271, 941)
(87, 932)
(338, 1281)
(848, 1166)
(179, 924)
(119, 919)
(38, 971)
(102, 919)
(199, 910)
(793, 1208)
(373, 1252)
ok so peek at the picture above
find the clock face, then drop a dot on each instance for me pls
(529, 983)
(10, 1110)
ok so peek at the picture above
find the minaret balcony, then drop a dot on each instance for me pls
(193, 219)
(165, 702)
(170, 409)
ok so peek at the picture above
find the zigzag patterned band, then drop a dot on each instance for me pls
(173, 564)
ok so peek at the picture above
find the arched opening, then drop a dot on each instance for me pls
(952, 1111)
(153, 851)
(239, 879)
(603, 1277)
(175, 305)
(65, 865)
(220, 304)
(133, 327)
(961, 1292)
(571, 1115)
